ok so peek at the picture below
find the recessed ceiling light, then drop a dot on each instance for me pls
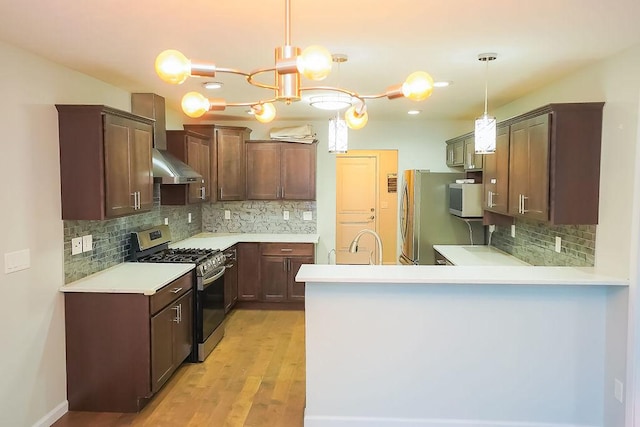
(212, 85)
(413, 112)
(441, 84)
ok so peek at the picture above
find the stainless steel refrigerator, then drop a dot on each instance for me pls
(425, 219)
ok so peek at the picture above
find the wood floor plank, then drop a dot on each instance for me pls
(255, 377)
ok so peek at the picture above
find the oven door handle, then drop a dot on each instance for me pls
(210, 280)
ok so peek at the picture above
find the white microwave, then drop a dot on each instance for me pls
(465, 200)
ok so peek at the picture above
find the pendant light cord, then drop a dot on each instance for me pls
(486, 86)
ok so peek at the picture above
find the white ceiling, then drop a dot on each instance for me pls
(537, 42)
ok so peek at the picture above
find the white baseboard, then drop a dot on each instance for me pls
(327, 421)
(54, 415)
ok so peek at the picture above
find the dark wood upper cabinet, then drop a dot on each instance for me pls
(193, 149)
(227, 160)
(496, 174)
(105, 162)
(455, 152)
(554, 163)
(280, 171)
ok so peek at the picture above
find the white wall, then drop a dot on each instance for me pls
(32, 361)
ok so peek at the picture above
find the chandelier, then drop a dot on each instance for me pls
(291, 63)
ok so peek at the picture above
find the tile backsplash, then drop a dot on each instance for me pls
(112, 238)
(535, 242)
(253, 216)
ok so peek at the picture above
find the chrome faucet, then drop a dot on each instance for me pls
(353, 247)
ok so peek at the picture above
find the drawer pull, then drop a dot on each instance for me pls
(176, 290)
(286, 250)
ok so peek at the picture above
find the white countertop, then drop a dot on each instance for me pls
(130, 278)
(477, 255)
(223, 241)
(460, 275)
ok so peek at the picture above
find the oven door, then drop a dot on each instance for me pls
(209, 311)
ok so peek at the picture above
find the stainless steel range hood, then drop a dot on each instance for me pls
(167, 168)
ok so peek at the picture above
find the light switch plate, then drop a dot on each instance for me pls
(307, 216)
(189, 217)
(166, 221)
(76, 245)
(227, 214)
(87, 243)
(513, 230)
(16, 261)
(558, 243)
(285, 215)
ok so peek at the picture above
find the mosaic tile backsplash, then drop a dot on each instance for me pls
(535, 243)
(112, 238)
(252, 216)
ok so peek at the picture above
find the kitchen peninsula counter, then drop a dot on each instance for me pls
(464, 345)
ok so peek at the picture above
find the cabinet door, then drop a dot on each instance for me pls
(496, 174)
(295, 291)
(231, 164)
(198, 159)
(263, 171)
(274, 277)
(248, 271)
(183, 329)
(231, 282)
(472, 161)
(458, 153)
(119, 194)
(536, 204)
(162, 353)
(518, 166)
(298, 175)
(141, 165)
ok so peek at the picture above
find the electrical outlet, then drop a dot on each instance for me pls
(16, 261)
(618, 390)
(87, 243)
(189, 217)
(285, 215)
(166, 221)
(558, 243)
(513, 230)
(227, 214)
(307, 216)
(76, 245)
(492, 228)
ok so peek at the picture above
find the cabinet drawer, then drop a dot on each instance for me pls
(169, 293)
(287, 249)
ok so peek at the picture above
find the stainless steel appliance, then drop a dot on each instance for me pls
(152, 245)
(465, 200)
(425, 219)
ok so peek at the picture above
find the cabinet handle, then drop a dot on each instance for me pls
(524, 198)
(139, 204)
(176, 290)
(288, 264)
(489, 204)
(282, 192)
(180, 312)
(177, 318)
(202, 193)
(220, 193)
(286, 250)
(284, 264)
(441, 262)
(135, 200)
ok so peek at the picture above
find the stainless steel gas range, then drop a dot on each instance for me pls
(152, 245)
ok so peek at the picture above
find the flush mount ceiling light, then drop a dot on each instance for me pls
(485, 126)
(331, 102)
(291, 63)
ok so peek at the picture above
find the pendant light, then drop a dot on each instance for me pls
(485, 126)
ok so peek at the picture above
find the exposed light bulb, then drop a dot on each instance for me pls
(264, 113)
(314, 62)
(356, 120)
(418, 86)
(195, 104)
(173, 67)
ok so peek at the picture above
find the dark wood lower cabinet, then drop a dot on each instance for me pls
(248, 271)
(231, 278)
(121, 348)
(266, 273)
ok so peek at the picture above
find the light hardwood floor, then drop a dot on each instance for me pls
(255, 377)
